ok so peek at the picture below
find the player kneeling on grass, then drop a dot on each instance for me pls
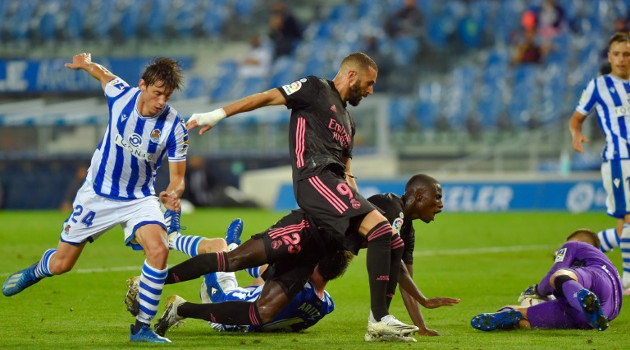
(586, 286)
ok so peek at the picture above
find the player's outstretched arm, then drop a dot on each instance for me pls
(84, 61)
(208, 120)
(575, 127)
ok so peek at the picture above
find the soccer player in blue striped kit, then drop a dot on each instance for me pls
(609, 95)
(118, 188)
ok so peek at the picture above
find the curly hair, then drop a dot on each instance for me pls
(334, 264)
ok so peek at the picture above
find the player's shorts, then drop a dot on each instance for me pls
(93, 215)
(614, 175)
(293, 248)
(332, 203)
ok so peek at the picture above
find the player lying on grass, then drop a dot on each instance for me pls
(308, 307)
(586, 286)
(422, 200)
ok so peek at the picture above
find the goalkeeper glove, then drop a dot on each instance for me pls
(530, 292)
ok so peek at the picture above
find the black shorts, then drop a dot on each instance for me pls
(293, 249)
(332, 204)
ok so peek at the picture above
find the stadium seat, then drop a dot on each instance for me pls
(405, 50)
(21, 19)
(400, 111)
(224, 81)
(282, 71)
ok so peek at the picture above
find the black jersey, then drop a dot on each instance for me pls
(391, 206)
(321, 130)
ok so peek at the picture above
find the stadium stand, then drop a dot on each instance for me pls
(458, 72)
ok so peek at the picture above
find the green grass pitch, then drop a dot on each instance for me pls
(486, 260)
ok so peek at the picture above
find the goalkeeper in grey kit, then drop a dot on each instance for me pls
(585, 283)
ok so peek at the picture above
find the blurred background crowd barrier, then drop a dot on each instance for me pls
(455, 96)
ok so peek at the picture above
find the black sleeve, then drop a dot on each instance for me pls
(301, 93)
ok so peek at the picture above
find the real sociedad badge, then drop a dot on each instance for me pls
(155, 135)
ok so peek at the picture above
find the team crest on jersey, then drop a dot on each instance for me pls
(293, 87)
(155, 135)
(560, 254)
(67, 229)
(276, 244)
(397, 224)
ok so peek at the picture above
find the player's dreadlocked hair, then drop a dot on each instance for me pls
(166, 70)
(334, 264)
(588, 234)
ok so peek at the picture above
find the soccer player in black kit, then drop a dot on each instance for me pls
(321, 140)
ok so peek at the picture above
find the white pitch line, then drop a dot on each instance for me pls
(471, 251)
(486, 250)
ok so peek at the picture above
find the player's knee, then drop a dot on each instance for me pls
(558, 279)
(266, 312)
(156, 252)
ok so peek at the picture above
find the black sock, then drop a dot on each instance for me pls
(398, 246)
(229, 312)
(378, 266)
(197, 267)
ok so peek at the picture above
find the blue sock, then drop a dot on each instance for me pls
(187, 244)
(150, 290)
(42, 268)
(253, 271)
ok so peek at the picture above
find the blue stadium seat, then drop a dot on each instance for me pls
(224, 81)
(196, 87)
(428, 104)
(282, 71)
(524, 100)
(19, 22)
(155, 21)
(182, 17)
(77, 12)
(245, 8)
(405, 50)
(213, 19)
(400, 110)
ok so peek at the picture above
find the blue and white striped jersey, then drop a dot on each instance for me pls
(305, 310)
(610, 96)
(126, 160)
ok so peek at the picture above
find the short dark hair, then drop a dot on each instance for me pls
(618, 38)
(166, 70)
(589, 234)
(334, 264)
(418, 181)
(361, 59)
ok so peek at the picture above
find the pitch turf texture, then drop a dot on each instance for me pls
(486, 260)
